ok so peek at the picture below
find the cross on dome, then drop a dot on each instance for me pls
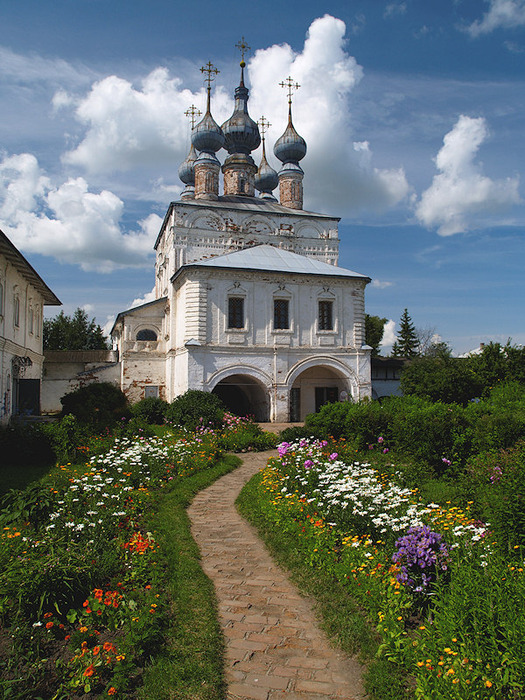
(243, 48)
(192, 113)
(290, 83)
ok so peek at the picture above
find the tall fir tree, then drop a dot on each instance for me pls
(407, 342)
(75, 332)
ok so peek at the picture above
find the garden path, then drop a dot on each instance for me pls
(274, 647)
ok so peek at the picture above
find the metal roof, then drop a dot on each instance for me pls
(271, 259)
(17, 260)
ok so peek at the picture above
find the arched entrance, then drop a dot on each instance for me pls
(244, 396)
(316, 386)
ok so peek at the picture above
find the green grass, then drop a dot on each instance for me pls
(344, 622)
(190, 667)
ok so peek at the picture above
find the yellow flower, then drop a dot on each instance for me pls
(488, 684)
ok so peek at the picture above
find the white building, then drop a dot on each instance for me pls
(23, 295)
(250, 302)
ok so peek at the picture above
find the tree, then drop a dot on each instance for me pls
(407, 342)
(374, 328)
(73, 333)
(440, 377)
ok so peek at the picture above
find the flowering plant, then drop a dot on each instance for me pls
(421, 555)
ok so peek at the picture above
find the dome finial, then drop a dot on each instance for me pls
(187, 167)
(243, 48)
(192, 113)
(210, 69)
(291, 85)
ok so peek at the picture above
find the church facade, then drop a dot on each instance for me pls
(250, 302)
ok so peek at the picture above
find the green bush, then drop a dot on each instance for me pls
(98, 405)
(150, 410)
(498, 483)
(196, 409)
(361, 422)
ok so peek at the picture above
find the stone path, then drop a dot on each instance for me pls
(274, 648)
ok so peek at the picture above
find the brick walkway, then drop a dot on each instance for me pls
(274, 648)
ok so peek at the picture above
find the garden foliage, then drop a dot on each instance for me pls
(196, 409)
(445, 596)
(98, 405)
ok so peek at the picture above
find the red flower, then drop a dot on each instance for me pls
(89, 670)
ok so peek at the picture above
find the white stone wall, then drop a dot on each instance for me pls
(193, 232)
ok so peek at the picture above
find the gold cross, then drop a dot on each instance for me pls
(243, 48)
(264, 125)
(192, 113)
(210, 69)
(291, 85)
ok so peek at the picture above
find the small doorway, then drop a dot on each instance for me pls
(26, 397)
(295, 405)
(325, 394)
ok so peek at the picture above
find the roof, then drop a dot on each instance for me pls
(272, 259)
(17, 260)
(136, 308)
(243, 203)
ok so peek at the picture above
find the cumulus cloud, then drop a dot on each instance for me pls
(395, 8)
(502, 14)
(129, 127)
(339, 171)
(460, 194)
(68, 221)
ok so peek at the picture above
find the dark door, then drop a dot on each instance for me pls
(27, 397)
(325, 394)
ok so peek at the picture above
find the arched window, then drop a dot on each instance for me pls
(146, 334)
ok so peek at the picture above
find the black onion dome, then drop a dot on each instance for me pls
(266, 179)
(290, 147)
(241, 133)
(187, 167)
(207, 135)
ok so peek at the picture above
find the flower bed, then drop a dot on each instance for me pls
(448, 607)
(82, 594)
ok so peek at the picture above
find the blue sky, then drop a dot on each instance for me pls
(413, 112)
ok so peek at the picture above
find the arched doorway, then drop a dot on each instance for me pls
(314, 387)
(244, 396)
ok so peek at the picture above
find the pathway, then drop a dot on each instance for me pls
(274, 648)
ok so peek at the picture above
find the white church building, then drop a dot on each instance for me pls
(250, 302)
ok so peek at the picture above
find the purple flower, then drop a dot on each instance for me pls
(385, 450)
(333, 456)
(308, 464)
(421, 554)
(380, 440)
(446, 461)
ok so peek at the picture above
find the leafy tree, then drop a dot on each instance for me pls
(100, 404)
(407, 342)
(75, 332)
(374, 328)
(441, 377)
(498, 363)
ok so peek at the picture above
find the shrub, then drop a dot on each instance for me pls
(99, 404)
(362, 422)
(150, 410)
(498, 480)
(196, 408)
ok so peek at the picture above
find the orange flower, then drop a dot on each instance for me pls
(89, 670)
(96, 651)
(112, 691)
(49, 625)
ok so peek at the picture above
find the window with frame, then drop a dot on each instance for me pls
(326, 315)
(281, 314)
(16, 311)
(235, 312)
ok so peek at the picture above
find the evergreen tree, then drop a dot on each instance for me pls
(407, 342)
(374, 328)
(73, 333)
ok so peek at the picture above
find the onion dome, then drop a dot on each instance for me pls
(290, 147)
(187, 167)
(241, 133)
(207, 135)
(266, 179)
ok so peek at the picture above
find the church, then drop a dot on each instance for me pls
(250, 302)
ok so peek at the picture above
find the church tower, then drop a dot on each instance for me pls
(241, 137)
(207, 137)
(290, 149)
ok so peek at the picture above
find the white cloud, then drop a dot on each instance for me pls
(460, 194)
(339, 173)
(395, 8)
(389, 334)
(68, 221)
(149, 296)
(23, 69)
(378, 284)
(502, 14)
